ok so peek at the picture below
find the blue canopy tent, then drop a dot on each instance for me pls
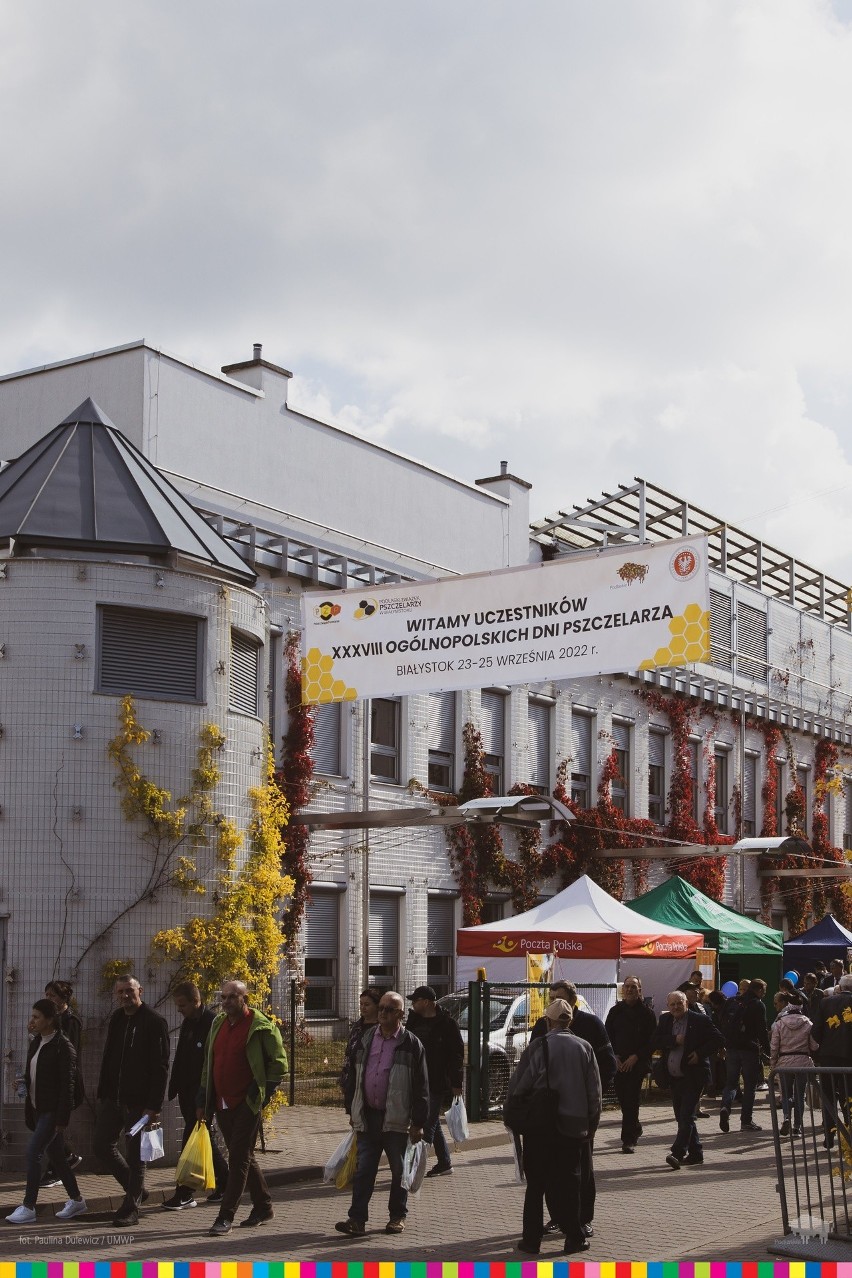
(826, 940)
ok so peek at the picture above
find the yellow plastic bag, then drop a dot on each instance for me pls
(346, 1171)
(195, 1165)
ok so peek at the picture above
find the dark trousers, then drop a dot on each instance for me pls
(553, 1170)
(111, 1121)
(588, 1188)
(372, 1143)
(187, 1110)
(46, 1139)
(835, 1095)
(745, 1061)
(433, 1132)
(685, 1096)
(628, 1089)
(239, 1128)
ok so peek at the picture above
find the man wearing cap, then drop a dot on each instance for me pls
(592, 1030)
(444, 1048)
(566, 1064)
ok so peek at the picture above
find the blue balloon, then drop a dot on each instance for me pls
(729, 989)
(792, 977)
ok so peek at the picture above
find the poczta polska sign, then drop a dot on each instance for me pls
(616, 610)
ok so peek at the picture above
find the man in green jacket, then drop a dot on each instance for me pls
(243, 1064)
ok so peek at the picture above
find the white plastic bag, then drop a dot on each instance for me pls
(414, 1166)
(151, 1145)
(456, 1117)
(338, 1158)
(517, 1156)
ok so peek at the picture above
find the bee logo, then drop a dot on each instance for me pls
(366, 608)
(327, 611)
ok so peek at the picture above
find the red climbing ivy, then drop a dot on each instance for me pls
(294, 778)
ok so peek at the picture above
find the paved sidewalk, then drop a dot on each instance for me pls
(726, 1210)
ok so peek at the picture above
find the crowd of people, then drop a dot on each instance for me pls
(398, 1078)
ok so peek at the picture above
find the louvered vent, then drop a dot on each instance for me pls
(150, 654)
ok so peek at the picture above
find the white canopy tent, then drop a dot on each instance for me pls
(591, 939)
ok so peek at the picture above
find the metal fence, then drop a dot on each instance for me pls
(811, 1110)
(495, 1022)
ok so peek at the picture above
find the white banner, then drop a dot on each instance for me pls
(615, 610)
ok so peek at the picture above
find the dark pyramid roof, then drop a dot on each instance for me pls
(85, 486)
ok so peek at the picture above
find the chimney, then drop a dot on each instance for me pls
(504, 468)
(516, 492)
(258, 373)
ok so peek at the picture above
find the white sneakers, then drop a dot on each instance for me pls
(22, 1216)
(74, 1207)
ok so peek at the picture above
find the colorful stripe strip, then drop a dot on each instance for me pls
(425, 1269)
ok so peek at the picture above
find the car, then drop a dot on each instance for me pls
(509, 1026)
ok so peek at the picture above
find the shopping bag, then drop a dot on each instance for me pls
(456, 1117)
(346, 1170)
(517, 1156)
(414, 1166)
(151, 1145)
(338, 1158)
(195, 1165)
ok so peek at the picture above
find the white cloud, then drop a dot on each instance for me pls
(596, 248)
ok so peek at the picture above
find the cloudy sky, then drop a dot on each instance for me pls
(598, 240)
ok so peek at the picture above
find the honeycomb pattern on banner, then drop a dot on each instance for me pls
(690, 640)
(318, 681)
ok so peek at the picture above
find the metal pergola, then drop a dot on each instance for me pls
(642, 512)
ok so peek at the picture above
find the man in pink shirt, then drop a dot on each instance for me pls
(388, 1099)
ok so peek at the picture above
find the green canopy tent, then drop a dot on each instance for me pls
(745, 948)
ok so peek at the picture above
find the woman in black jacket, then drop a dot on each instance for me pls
(50, 1072)
(60, 994)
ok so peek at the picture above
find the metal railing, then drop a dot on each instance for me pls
(497, 1020)
(814, 1154)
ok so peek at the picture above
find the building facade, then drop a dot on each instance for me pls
(756, 739)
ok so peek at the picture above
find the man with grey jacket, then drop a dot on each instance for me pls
(565, 1064)
(388, 1103)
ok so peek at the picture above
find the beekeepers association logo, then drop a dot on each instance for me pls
(684, 564)
(366, 608)
(327, 611)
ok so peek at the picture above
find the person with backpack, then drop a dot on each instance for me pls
(746, 1035)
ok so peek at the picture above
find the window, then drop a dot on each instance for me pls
(780, 796)
(749, 796)
(720, 810)
(693, 776)
(621, 783)
(321, 950)
(720, 630)
(494, 738)
(384, 740)
(243, 690)
(493, 908)
(149, 653)
(441, 735)
(751, 642)
(440, 943)
(581, 759)
(539, 738)
(384, 941)
(656, 776)
(802, 782)
(326, 749)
